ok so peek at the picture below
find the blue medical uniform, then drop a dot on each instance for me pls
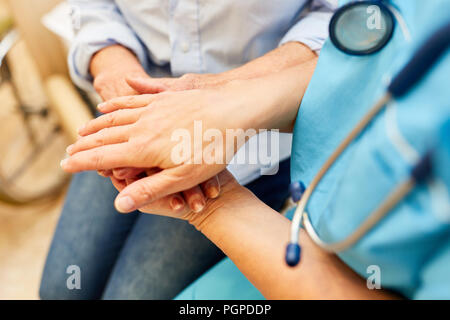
(411, 245)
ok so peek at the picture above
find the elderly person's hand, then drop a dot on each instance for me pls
(137, 132)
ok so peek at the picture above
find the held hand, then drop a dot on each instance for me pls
(192, 200)
(110, 67)
(175, 205)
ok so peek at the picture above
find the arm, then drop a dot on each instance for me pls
(258, 251)
(103, 34)
(254, 236)
(284, 57)
(301, 44)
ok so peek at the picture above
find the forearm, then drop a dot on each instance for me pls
(274, 99)
(288, 55)
(254, 237)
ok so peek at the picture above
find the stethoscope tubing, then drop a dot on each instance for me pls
(296, 222)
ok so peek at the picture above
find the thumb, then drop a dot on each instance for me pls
(147, 190)
(147, 85)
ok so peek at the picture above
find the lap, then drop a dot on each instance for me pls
(90, 234)
(160, 258)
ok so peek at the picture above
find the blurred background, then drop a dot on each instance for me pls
(40, 110)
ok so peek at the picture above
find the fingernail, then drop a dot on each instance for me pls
(213, 191)
(177, 203)
(69, 149)
(100, 173)
(63, 163)
(125, 204)
(120, 173)
(197, 206)
(101, 105)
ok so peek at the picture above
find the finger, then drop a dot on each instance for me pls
(211, 188)
(105, 157)
(195, 199)
(101, 138)
(174, 202)
(157, 186)
(118, 184)
(148, 86)
(105, 173)
(114, 119)
(127, 173)
(129, 102)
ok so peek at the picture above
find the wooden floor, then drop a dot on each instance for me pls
(25, 235)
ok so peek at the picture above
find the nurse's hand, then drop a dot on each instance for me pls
(178, 205)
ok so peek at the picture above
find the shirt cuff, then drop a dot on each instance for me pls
(312, 30)
(95, 37)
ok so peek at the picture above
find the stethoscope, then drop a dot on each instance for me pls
(362, 27)
(422, 62)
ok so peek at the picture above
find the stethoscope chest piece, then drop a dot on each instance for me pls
(362, 27)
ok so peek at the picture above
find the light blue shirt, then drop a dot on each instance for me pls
(172, 38)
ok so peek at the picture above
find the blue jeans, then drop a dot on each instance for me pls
(134, 256)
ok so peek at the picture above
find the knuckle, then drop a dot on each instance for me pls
(110, 119)
(129, 101)
(145, 192)
(97, 160)
(99, 140)
(97, 84)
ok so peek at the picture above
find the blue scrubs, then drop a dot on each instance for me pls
(411, 246)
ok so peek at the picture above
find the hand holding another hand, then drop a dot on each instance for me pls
(110, 68)
(138, 132)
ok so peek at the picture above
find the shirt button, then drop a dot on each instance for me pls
(185, 47)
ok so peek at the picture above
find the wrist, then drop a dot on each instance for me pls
(114, 58)
(276, 98)
(232, 197)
